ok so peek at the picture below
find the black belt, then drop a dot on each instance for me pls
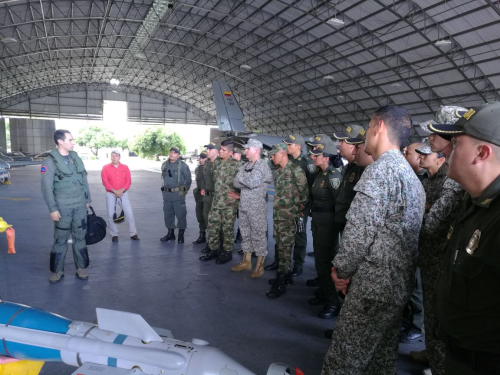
(182, 188)
(209, 193)
(323, 209)
(475, 359)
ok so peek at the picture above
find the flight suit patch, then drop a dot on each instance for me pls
(335, 182)
(43, 169)
(311, 168)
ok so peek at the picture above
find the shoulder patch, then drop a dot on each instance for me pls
(335, 182)
(43, 169)
(311, 168)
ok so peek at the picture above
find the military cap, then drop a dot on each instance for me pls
(426, 150)
(253, 143)
(482, 122)
(351, 132)
(294, 139)
(277, 148)
(318, 138)
(175, 149)
(446, 115)
(237, 150)
(203, 154)
(356, 135)
(212, 146)
(325, 148)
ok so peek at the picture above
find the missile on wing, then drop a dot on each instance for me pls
(121, 343)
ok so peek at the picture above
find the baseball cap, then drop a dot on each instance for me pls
(350, 132)
(356, 135)
(294, 139)
(426, 150)
(482, 122)
(253, 143)
(116, 151)
(203, 154)
(277, 148)
(175, 149)
(211, 146)
(445, 116)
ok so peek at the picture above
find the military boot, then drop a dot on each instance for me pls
(278, 287)
(180, 239)
(246, 263)
(224, 257)
(238, 236)
(201, 239)
(288, 279)
(259, 268)
(212, 254)
(170, 236)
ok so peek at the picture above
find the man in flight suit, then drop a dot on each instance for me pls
(66, 191)
(176, 178)
(198, 198)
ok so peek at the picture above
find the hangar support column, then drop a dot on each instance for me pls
(33, 136)
(3, 136)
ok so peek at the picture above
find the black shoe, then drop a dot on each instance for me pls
(408, 336)
(206, 250)
(240, 252)
(224, 257)
(181, 236)
(310, 254)
(210, 255)
(272, 267)
(201, 239)
(169, 237)
(114, 238)
(278, 287)
(288, 279)
(313, 283)
(329, 334)
(329, 311)
(238, 237)
(317, 301)
(296, 271)
(318, 293)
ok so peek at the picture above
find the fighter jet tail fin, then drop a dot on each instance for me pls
(228, 112)
(126, 323)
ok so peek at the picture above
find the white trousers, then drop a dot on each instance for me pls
(127, 209)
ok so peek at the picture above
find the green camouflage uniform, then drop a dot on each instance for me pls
(65, 189)
(223, 212)
(291, 191)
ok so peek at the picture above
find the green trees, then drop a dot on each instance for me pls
(97, 137)
(155, 142)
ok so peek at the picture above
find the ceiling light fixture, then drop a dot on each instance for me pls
(337, 22)
(114, 81)
(9, 40)
(443, 43)
(140, 55)
(329, 77)
(245, 66)
(396, 84)
(279, 92)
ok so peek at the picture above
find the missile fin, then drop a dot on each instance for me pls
(126, 323)
(95, 369)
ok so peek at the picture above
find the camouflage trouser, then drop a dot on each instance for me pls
(284, 236)
(434, 338)
(199, 212)
(253, 228)
(365, 339)
(207, 205)
(221, 219)
(73, 222)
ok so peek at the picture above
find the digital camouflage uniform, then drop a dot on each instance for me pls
(198, 198)
(223, 211)
(65, 189)
(253, 179)
(378, 253)
(445, 197)
(291, 191)
(325, 191)
(174, 195)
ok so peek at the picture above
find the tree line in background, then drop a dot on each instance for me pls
(150, 144)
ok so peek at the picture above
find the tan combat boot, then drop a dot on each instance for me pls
(259, 268)
(246, 263)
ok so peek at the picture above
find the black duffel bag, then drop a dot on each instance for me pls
(96, 228)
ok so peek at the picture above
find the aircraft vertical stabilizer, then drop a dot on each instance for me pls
(229, 114)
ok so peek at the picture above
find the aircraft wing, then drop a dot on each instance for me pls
(95, 369)
(227, 110)
(15, 164)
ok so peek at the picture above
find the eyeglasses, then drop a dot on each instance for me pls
(169, 173)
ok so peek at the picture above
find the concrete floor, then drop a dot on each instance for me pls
(163, 282)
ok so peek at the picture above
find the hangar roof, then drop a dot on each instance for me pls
(309, 65)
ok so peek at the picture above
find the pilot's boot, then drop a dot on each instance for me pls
(259, 268)
(170, 236)
(180, 238)
(201, 239)
(246, 263)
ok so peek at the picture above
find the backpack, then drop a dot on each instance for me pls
(96, 228)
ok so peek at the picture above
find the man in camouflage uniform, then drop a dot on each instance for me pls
(66, 191)
(253, 179)
(443, 200)
(198, 198)
(290, 197)
(377, 254)
(224, 206)
(208, 186)
(237, 151)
